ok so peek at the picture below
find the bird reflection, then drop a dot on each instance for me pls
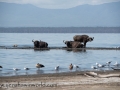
(26, 69)
(39, 71)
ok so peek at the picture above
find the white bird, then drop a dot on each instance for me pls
(108, 63)
(16, 69)
(116, 64)
(100, 65)
(76, 67)
(26, 68)
(57, 67)
(97, 64)
(94, 67)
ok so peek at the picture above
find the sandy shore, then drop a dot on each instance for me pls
(61, 81)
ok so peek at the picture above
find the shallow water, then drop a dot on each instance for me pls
(20, 58)
(56, 39)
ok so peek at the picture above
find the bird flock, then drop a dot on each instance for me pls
(38, 66)
(107, 64)
(26, 68)
(71, 66)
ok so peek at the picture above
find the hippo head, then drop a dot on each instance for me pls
(67, 43)
(89, 39)
(36, 43)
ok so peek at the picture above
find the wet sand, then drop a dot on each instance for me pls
(61, 81)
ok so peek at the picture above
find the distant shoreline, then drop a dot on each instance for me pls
(59, 29)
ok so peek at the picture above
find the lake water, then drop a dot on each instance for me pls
(20, 58)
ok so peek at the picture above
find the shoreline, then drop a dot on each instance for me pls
(64, 73)
(63, 81)
(63, 48)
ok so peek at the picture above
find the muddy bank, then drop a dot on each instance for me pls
(61, 81)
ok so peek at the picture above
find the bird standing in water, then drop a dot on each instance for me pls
(77, 67)
(108, 63)
(39, 66)
(25, 68)
(71, 66)
(57, 68)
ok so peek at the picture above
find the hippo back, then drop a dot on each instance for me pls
(80, 38)
(43, 44)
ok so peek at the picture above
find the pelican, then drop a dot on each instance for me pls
(39, 65)
(57, 67)
(71, 66)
